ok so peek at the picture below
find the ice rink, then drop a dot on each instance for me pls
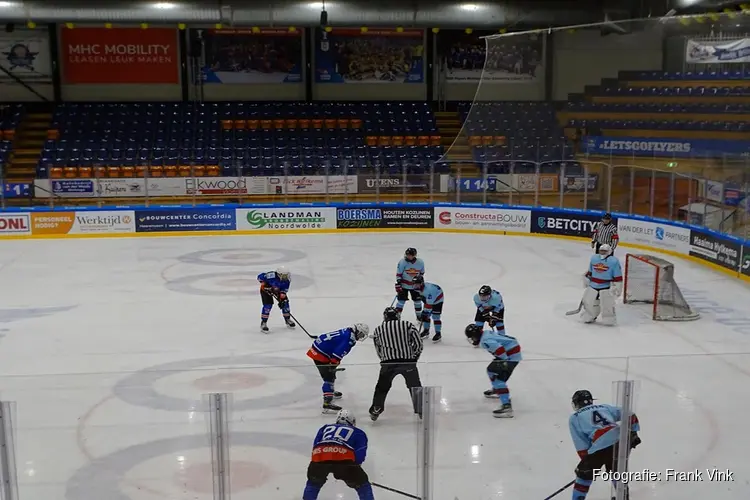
(107, 346)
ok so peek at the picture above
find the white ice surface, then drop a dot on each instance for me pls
(123, 308)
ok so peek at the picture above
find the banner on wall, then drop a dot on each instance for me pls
(661, 147)
(349, 55)
(155, 186)
(580, 183)
(119, 55)
(332, 184)
(286, 219)
(394, 218)
(395, 183)
(722, 252)
(483, 219)
(563, 223)
(713, 52)
(513, 59)
(188, 219)
(244, 56)
(654, 234)
(15, 224)
(84, 222)
(25, 54)
(746, 260)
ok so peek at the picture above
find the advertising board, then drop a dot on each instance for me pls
(564, 223)
(131, 187)
(286, 219)
(402, 217)
(720, 251)
(316, 184)
(186, 219)
(13, 223)
(487, 219)
(653, 234)
(746, 260)
(396, 183)
(83, 222)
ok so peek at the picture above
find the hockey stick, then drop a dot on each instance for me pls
(398, 492)
(571, 313)
(302, 327)
(393, 301)
(561, 490)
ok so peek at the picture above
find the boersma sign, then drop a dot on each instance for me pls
(119, 55)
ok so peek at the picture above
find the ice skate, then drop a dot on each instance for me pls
(329, 407)
(505, 411)
(437, 338)
(338, 395)
(491, 394)
(425, 333)
(290, 323)
(264, 326)
(375, 413)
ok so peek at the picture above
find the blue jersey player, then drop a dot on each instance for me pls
(596, 435)
(507, 353)
(274, 285)
(432, 297)
(603, 283)
(327, 352)
(339, 449)
(408, 268)
(490, 307)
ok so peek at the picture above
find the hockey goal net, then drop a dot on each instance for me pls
(650, 280)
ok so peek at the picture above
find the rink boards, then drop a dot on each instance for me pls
(724, 253)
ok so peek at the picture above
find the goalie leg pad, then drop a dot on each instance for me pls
(607, 303)
(590, 303)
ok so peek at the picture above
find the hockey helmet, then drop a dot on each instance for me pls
(345, 417)
(418, 282)
(581, 399)
(283, 273)
(391, 314)
(410, 254)
(361, 331)
(473, 334)
(605, 251)
(485, 292)
(607, 218)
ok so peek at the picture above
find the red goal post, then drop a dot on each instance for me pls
(650, 280)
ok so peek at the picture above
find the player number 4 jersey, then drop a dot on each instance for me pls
(332, 347)
(595, 427)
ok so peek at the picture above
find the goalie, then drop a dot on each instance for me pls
(603, 283)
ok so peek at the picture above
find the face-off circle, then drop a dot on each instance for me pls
(240, 257)
(229, 284)
(139, 389)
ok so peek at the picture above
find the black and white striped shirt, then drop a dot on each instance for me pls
(397, 340)
(606, 233)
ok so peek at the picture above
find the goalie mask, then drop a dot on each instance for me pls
(605, 251)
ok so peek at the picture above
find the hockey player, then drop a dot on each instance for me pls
(275, 285)
(339, 449)
(327, 352)
(507, 353)
(490, 307)
(408, 268)
(603, 283)
(432, 297)
(596, 436)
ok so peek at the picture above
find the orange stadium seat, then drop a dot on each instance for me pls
(53, 135)
(331, 122)
(384, 140)
(185, 171)
(84, 172)
(56, 172)
(9, 134)
(213, 170)
(156, 171)
(475, 140)
(100, 172)
(500, 140)
(397, 140)
(356, 123)
(70, 172)
(423, 140)
(304, 123)
(488, 140)
(317, 123)
(199, 171)
(266, 124)
(371, 140)
(127, 171)
(240, 124)
(343, 122)
(170, 171)
(141, 171)
(279, 123)
(113, 171)
(227, 124)
(291, 123)
(411, 140)
(435, 140)
(252, 124)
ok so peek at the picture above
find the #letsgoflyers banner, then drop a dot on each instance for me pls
(119, 55)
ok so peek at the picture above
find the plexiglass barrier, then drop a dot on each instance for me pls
(148, 434)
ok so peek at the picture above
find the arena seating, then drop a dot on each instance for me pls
(238, 138)
(518, 133)
(653, 76)
(662, 125)
(10, 116)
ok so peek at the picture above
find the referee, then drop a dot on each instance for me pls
(399, 346)
(605, 232)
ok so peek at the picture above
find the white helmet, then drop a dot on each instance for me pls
(283, 273)
(345, 417)
(605, 251)
(361, 331)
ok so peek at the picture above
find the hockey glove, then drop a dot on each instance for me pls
(635, 440)
(585, 280)
(283, 301)
(399, 288)
(616, 288)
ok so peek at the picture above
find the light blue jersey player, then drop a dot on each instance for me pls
(274, 285)
(407, 269)
(432, 296)
(507, 354)
(327, 352)
(603, 283)
(595, 432)
(490, 307)
(339, 449)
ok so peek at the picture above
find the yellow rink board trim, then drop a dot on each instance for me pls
(261, 232)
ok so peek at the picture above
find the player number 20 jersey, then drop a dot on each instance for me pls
(340, 443)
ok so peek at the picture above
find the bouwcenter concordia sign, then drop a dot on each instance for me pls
(119, 55)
